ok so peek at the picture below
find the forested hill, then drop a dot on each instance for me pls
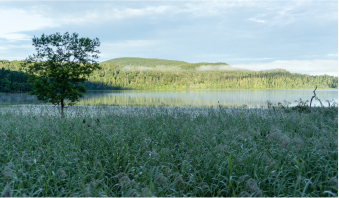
(140, 73)
(133, 63)
(145, 73)
(152, 62)
(200, 76)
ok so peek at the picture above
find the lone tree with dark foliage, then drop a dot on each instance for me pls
(60, 66)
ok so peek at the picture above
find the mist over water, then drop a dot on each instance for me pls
(195, 98)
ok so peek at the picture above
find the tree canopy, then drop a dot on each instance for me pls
(61, 65)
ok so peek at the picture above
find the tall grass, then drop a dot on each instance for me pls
(163, 151)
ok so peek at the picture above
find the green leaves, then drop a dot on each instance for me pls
(60, 67)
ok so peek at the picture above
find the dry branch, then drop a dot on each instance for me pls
(313, 96)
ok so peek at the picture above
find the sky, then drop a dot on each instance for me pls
(300, 36)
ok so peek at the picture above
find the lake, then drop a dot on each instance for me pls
(196, 98)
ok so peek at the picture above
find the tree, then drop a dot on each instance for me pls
(60, 66)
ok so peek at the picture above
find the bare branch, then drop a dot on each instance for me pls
(313, 96)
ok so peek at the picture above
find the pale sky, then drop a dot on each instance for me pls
(299, 36)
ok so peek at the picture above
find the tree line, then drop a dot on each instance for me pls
(114, 76)
(13, 80)
(154, 62)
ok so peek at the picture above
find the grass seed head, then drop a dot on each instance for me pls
(152, 155)
(6, 192)
(133, 183)
(132, 193)
(243, 178)
(62, 190)
(239, 160)
(166, 170)
(86, 192)
(244, 194)
(146, 192)
(144, 143)
(52, 134)
(284, 142)
(22, 172)
(203, 186)
(266, 160)
(8, 173)
(39, 149)
(148, 153)
(221, 148)
(119, 175)
(18, 139)
(335, 142)
(124, 181)
(73, 154)
(188, 153)
(62, 173)
(85, 152)
(161, 180)
(4, 135)
(53, 154)
(334, 181)
(252, 188)
(272, 165)
(297, 142)
(178, 179)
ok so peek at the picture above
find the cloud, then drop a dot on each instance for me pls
(246, 59)
(111, 13)
(289, 12)
(11, 58)
(32, 18)
(129, 44)
(10, 47)
(130, 48)
(312, 67)
(204, 31)
(19, 20)
(257, 20)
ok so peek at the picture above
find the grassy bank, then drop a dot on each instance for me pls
(162, 151)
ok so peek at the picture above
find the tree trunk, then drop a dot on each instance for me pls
(62, 108)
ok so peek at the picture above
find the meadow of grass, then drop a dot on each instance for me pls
(164, 151)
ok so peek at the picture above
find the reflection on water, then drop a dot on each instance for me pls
(18, 98)
(197, 98)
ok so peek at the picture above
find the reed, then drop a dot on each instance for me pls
(164, 151)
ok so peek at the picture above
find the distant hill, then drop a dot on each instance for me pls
(150, 73)
(148, 62)
(134, 63)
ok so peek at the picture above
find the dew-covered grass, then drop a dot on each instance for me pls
(163, 151)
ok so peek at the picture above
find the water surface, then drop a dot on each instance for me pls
(195, 98)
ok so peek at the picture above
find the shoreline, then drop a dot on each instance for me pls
(191, 90)
(93, 111)
(98, 111)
